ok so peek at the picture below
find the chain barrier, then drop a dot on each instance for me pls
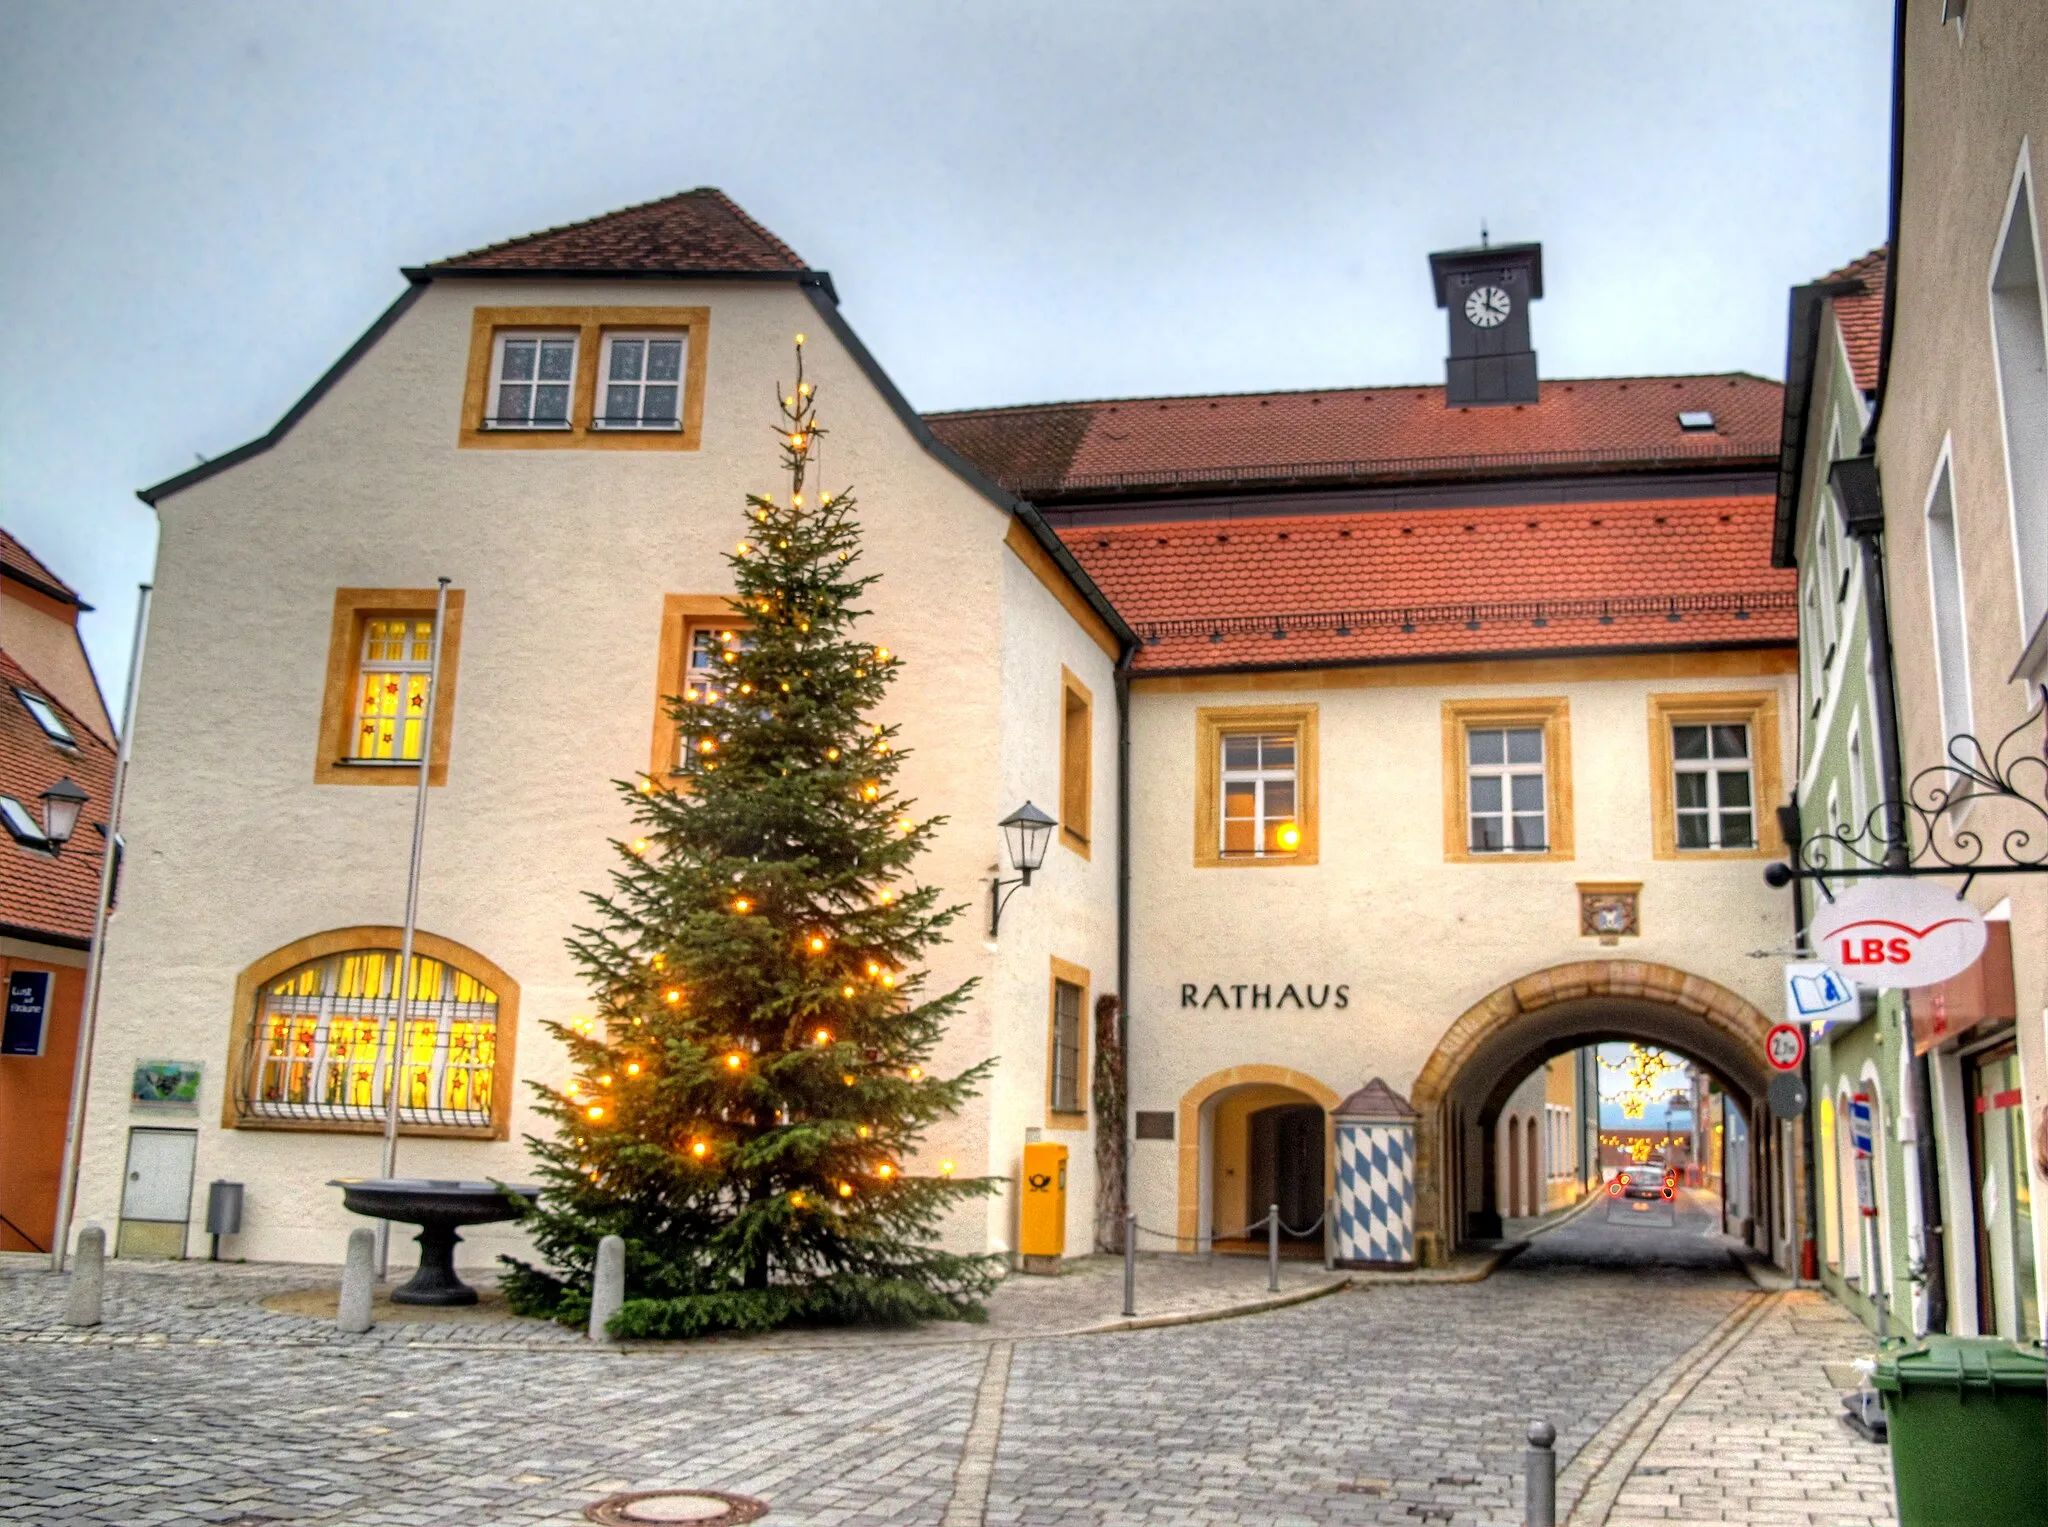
(1239, 1235)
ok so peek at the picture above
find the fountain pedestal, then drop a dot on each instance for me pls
(439, 1207)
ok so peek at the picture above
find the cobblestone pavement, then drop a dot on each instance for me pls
(1402, 1403)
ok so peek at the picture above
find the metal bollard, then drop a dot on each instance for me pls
(1329, 1235)
(1540, 1509)
(608, 1288)
(358, 1283)
(1272, 1248)
(1130, 1264)
(88, 1278)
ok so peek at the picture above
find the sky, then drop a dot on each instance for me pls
(202, 205)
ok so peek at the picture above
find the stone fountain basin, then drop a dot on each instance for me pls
(437, 1206)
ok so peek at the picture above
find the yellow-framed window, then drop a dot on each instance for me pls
(1255, 785)
(1714, 774)
(1066, 1043)
(1077, 748)
(1507, 780)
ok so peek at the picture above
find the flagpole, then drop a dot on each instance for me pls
(88, 1015)
(396, 1064)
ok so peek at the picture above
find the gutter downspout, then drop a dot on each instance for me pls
(1123, 898)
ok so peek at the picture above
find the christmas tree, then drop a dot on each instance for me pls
(747, 1100)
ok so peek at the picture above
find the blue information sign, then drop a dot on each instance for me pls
(28, 1013)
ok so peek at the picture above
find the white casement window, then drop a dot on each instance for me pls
(1714, 788)
(2021, 348)
(1259, 795)
(46, 717)
(1066, 1047)
(709, 654)
(1505, 790)
(532, 378)
(642, 382)
(393, 675)
(320, 1048)
(1951, 624)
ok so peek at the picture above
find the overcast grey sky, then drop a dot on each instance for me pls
(202, 204)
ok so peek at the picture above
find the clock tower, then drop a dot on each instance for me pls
(1487, 291)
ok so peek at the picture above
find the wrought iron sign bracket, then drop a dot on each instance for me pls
(1930, 832)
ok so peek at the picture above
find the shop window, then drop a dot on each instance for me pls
(1077, 747)
(586, 378)
(1507, 775)
(1067, 1048)
(2006, 1289)
(319, 1040)
(1714, 762)
(379, 662)
(1255, 786)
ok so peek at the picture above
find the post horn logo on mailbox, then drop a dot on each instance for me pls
(1898, 933)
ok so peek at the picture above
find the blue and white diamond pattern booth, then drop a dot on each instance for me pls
(1375, 1178)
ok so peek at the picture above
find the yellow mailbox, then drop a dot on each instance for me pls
(1042, 1222)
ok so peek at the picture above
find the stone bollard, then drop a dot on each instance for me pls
(1540, 1505)
(358, 1282)
(608, 1288)
(88, 1278)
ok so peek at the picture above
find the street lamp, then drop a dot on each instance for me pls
(60, 812)
(1026, 831)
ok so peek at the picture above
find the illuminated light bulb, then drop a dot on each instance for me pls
(888, 979)
(742, 906)
(574, 1088)
(690, 694)
(846, 1190)
(796, 442)
(824, 1036)
(707, 745)
(831, 754)
(746, 689)
(848, 1078)
(945, 1169)
(734, 1061)
(785, 686)
(881, 654)
(657, 959)
(873, 968)
(846, 991)
(699, 1149)
(803, 389)
(905, 824)
(639, 845)
(828, 499)
(885, 1170)
(1289, 835)
(672, 996)
(796, 1200)
(915, 1073)
(799, 339)
(605, 1080)
(732, 657)
(593, 1112)
(632, 1068)
(789, 402)
(817, 944)
(887, 897)
(871, 790)
(864, 1131)
(646, 787)
(726, 636)
(743, 548)
(799, 501)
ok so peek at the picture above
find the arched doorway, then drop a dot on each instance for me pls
(1468, 1176)
(1252, 1136)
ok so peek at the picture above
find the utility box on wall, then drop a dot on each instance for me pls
(1042, 1215)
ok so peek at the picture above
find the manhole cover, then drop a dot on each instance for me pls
(700, 1508)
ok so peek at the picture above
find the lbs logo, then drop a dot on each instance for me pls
(1899, 933)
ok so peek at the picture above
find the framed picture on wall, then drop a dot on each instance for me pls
(169, 1086)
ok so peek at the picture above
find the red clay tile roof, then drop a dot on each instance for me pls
(1407, 584)
(1363, 433)
(19, 560)
(50, 895)
(1862, 316)
(692, 231)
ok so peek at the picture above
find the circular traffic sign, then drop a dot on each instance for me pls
(1785, 1047)
(1787, 1097)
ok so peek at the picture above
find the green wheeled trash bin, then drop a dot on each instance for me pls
(1968, 1417)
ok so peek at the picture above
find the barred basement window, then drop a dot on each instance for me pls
(391, 698)
(319, 1050)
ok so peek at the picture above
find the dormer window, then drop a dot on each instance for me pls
(534, 375)
(47, 718)
(643, 382)
(24, 828)
(1696, 421)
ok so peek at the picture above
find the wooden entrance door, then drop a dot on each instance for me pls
(1286, 1167)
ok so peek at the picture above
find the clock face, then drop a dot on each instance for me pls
(1487, 306)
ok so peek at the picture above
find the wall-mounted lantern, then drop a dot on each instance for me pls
(1026, 831)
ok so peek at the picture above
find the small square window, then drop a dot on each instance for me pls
(25, 828)
(533, 376)
(47, 718)
(643, 382)
(1696, 421)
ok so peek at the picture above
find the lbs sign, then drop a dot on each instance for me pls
(1884, 932)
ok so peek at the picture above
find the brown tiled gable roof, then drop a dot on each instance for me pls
(1363, 434)
(1442, 583)
(37, 892)
(17, 559)
(690, 232)
(1861, 315)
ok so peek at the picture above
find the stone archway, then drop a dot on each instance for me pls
(1190, 1185)
(1592, 999)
